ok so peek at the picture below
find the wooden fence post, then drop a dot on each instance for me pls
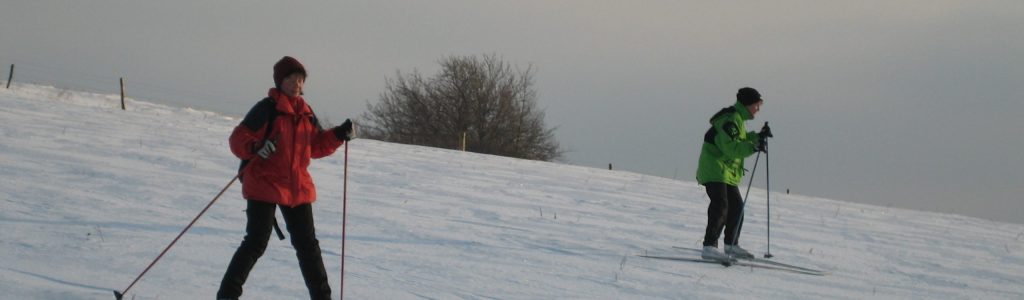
(10, 77)
(122, 94)
(463, 141)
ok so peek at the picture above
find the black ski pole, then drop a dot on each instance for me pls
(739, 223)
(120, 295)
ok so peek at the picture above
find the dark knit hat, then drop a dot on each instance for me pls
(748, 96)
(287, 66)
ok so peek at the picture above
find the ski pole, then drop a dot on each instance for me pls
(768, 196)
(344, 215)
(120, 295)
(739, 225)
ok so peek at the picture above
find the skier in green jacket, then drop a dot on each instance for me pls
(720, 171)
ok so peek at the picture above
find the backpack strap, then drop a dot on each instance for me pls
(261, 114)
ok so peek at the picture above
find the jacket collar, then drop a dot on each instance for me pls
(743, 111)
(289, 105)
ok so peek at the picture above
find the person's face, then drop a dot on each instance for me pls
(292, 85)
(754, 108)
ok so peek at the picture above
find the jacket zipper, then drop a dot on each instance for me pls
(296, 122)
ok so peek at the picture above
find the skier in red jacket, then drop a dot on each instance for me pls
(277, 139)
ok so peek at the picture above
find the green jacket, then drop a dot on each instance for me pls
(726, 143)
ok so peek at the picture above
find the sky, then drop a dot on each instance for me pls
(910, 104)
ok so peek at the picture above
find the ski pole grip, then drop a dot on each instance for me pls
(766, 131)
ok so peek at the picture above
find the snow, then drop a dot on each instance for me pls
(91, 194)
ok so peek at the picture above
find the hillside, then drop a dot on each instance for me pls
(91, 194)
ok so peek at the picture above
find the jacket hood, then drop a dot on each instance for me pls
(735, 108)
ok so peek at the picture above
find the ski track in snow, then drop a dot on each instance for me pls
(91, 194)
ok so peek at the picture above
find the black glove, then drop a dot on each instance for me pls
(344, 131)
(762, 145)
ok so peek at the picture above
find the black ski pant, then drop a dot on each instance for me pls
(725, 210)
(299, 222)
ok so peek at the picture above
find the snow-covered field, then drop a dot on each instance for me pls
(90, 194)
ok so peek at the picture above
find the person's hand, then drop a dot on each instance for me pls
(762, 145)
(267, 149)
(344, 131)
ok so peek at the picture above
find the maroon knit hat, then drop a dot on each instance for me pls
(287, 66)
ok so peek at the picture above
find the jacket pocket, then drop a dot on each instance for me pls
(270, 170)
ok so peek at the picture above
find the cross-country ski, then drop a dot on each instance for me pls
(737, 262)
(758, 260)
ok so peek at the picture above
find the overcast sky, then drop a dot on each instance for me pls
(912, 104)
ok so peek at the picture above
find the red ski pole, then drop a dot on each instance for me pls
(344, 214)
(120, 294)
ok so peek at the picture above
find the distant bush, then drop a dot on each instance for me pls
(484, 99)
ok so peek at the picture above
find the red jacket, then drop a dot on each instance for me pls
(282, 178)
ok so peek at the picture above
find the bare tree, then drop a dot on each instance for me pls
(484, 99)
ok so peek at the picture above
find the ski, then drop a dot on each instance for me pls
(764, 261)
(691, 259)
(736, 262)
(780, 267)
